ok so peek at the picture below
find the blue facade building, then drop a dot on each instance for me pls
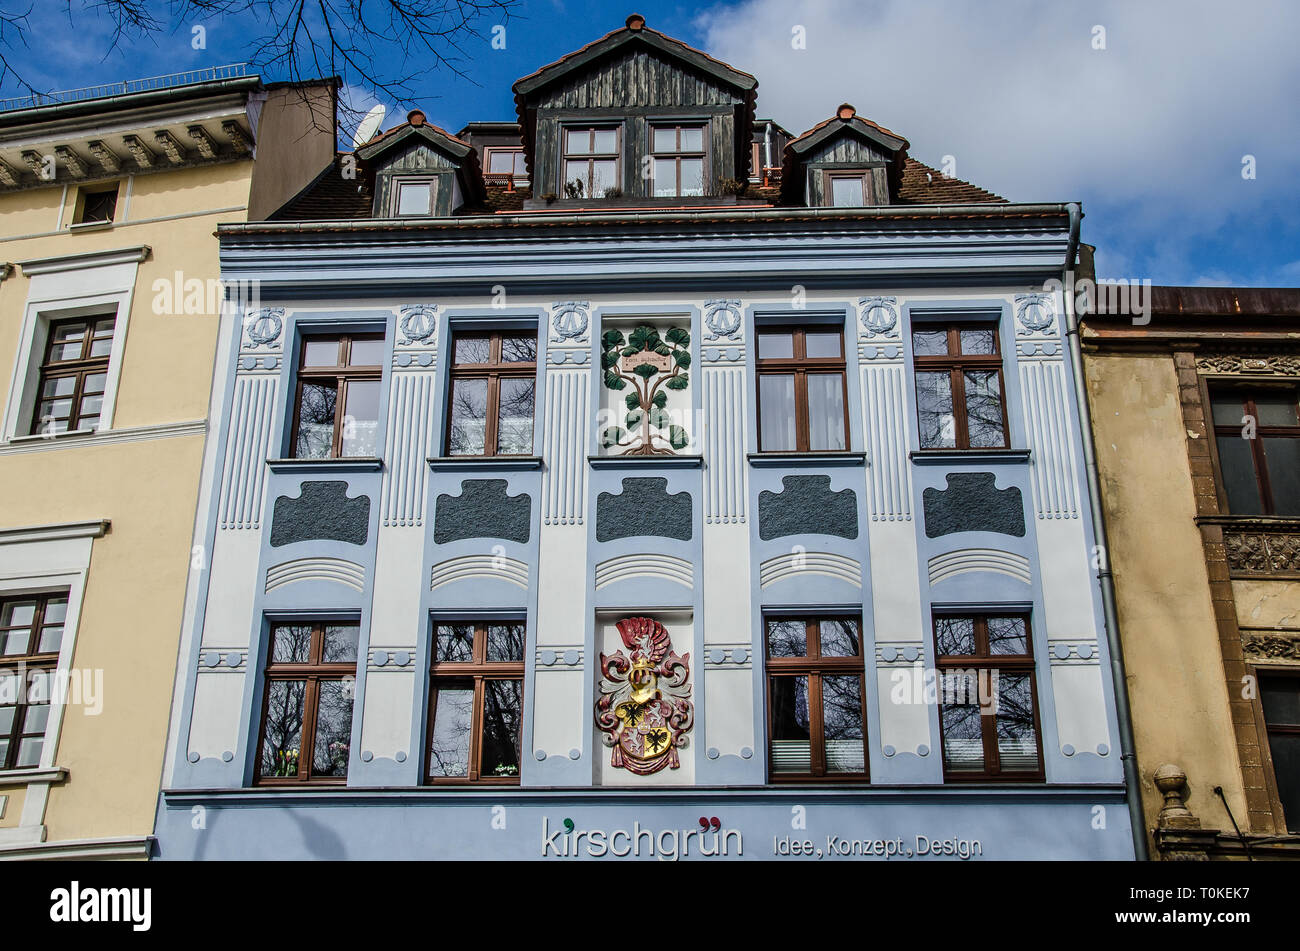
(720, 493)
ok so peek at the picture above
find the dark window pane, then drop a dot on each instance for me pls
(502, 709)
(825, 411)
(453, 716)
(455, 643)
(1280, 698)
(1237, 465)
(776, 412)
(361, 419)
(470, 350)
(1282, 456)
(291, 644)
(333, 728)
(775, 346)
(821, 345)
(1286, 766)
(283, 739)
(934, 410)
(316, 421)
(341, 643)
(929, 343)
(842, 724)
(320, 353)
(791, 747)
(1227, 409)
(505, 642)
(839, 638)
(978, 342)
(1008, 635)
(1017, 741)
(515, 420)
(963, 745)
(984, 409)
(366, 353)
(519, 349)
(468, 417)
(954, 636)
(1276, 409)
(788, 638)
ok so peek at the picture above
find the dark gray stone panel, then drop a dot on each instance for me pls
(322, 512)
(972, 503)
(806, 505)
(482, 510)
(643, 508)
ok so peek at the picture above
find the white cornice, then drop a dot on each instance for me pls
(82, 440)
(94, 528)
(122, 847)
(72, 262)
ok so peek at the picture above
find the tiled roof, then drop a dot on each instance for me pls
(923, 185)
(328, 197)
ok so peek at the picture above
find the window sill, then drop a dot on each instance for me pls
(354, 464)
(499, 463)
(79, 226)
(19, 777)
(1263, 523)
(934, 457)
(798, 460)
(50, 437)
(653, 462)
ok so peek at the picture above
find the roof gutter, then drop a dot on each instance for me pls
(1128, 750)
(542, 219)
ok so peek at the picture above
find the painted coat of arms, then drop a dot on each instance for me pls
(645, 708)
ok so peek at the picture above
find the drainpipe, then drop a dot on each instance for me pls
(767, 151)
(1128, 751)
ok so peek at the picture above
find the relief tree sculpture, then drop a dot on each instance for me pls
(653, 365)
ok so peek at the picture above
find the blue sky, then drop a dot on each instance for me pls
(1143, 111)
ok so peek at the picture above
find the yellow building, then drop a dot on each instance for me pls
(1195, 398)
(109, 199)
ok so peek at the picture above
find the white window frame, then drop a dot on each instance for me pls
(76, 285)
(43, 560)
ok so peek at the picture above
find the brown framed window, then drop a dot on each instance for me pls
(756, 162)
(960, 400)
(1279, 695)
(988, 709)
(1257, 435)
(815, 698)
(506, 161)
(476, 702)
(491, 395)
(591, 161)
(848, 189)
(97, 204)
(307, 711)
(74, 374)
(802, 389)
(336, 411)
(677, 160)
(31, 632)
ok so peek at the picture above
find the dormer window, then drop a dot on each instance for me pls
(502, 162)
(416, 197)
(678, 160)
(590, 161)
(849, 189)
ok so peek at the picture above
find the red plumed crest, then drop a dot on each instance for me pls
(645, 636)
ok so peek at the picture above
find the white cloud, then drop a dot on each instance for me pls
(1154, 127)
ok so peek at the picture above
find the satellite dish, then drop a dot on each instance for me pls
(369, 126)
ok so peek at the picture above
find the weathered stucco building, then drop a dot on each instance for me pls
(1194, 406)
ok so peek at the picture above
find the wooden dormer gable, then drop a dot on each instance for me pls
(415, 160)
(855, 157)
(631, 83)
